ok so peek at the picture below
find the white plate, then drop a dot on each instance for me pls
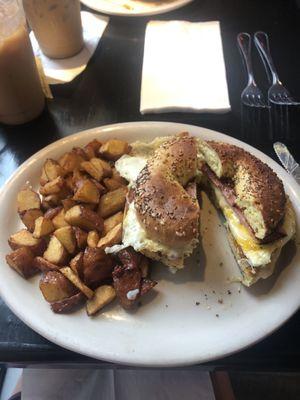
(135, 7)
(169, 329)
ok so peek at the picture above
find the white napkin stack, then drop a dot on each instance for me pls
(65, 70)
(183, 68)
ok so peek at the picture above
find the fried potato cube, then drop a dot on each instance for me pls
(114, 149)
(53, 170)
(112, 202)
(81, 237)
(24, 238)
(21, 260)
(44, 265)
(111, 184)
(110, 222)
(118, 177)
(107, 170)
(52, 212)
(44, 178)
(87, 192)
(97, 266)
(68, 273)
(66, 236)
(78, 176)
(111, 238)
(29, 217)
(76, 264)
(28, 199)
(59, 220)
(84, 218)
(55, 286)
(92, 170)
(71, 161)
(80, 152)
(68, 203)
(55, 252)
(103, 295)
(92, 239)
(67, 305)
(53, 187)
(52, 200)
(43, 227)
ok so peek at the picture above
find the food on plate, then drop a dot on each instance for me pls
(103, 295)
(162, 215)
(55, 286)
(55, 252)
(22, 261)
(259, 217)
(42, 227)
(104, 210)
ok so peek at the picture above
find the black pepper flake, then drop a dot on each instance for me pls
(228, 292)
(221, 264)
(217, 315)
(167, 306)
(197, 303)
(220, 301)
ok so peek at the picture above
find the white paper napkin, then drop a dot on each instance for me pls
(65, 70)
(183, 68)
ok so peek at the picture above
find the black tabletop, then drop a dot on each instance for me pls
(108, 91)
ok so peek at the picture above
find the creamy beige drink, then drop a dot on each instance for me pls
(21, 95)
(56, 25)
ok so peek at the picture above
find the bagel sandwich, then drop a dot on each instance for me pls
(260, 219)
(162, 212)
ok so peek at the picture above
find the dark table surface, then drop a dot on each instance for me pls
(108, 92)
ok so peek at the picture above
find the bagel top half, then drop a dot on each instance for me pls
(165, 207)
(259, 193)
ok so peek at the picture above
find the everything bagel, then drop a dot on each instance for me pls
(165, 207)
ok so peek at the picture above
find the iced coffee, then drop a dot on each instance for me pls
(56, 25)
(21, 94)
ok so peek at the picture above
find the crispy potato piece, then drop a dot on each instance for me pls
(76, 264)
(52, 212)
(28, 199)
(24, 238)
(43, 227)
(21, 260)
(97, 266)
(44, 265)
(111, 222)
(112, 202)
(68, 203)
(55, 252)
(86, 192)
(111, 184)
(59, 220)
(66, 236)
(118, 177)
(28, 218)
(80, 152)
(53, 170)
(103, 295)
(111, 238)
(95, 144)
(92, 239)
(70, 161)
(84, 218)
(68, 273)
(100, 187)
(53, 187)
(68, 305)
(55, 286)
(107, 170)
(70, 184)
(44, 178)
(114, 149)
(79, 176)
(144, 266)
(94, 172)
(81, 237)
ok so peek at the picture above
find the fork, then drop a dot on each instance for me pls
(251, 96)
(277, 93)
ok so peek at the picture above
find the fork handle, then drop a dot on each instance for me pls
(261, 41)
(244, 43)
